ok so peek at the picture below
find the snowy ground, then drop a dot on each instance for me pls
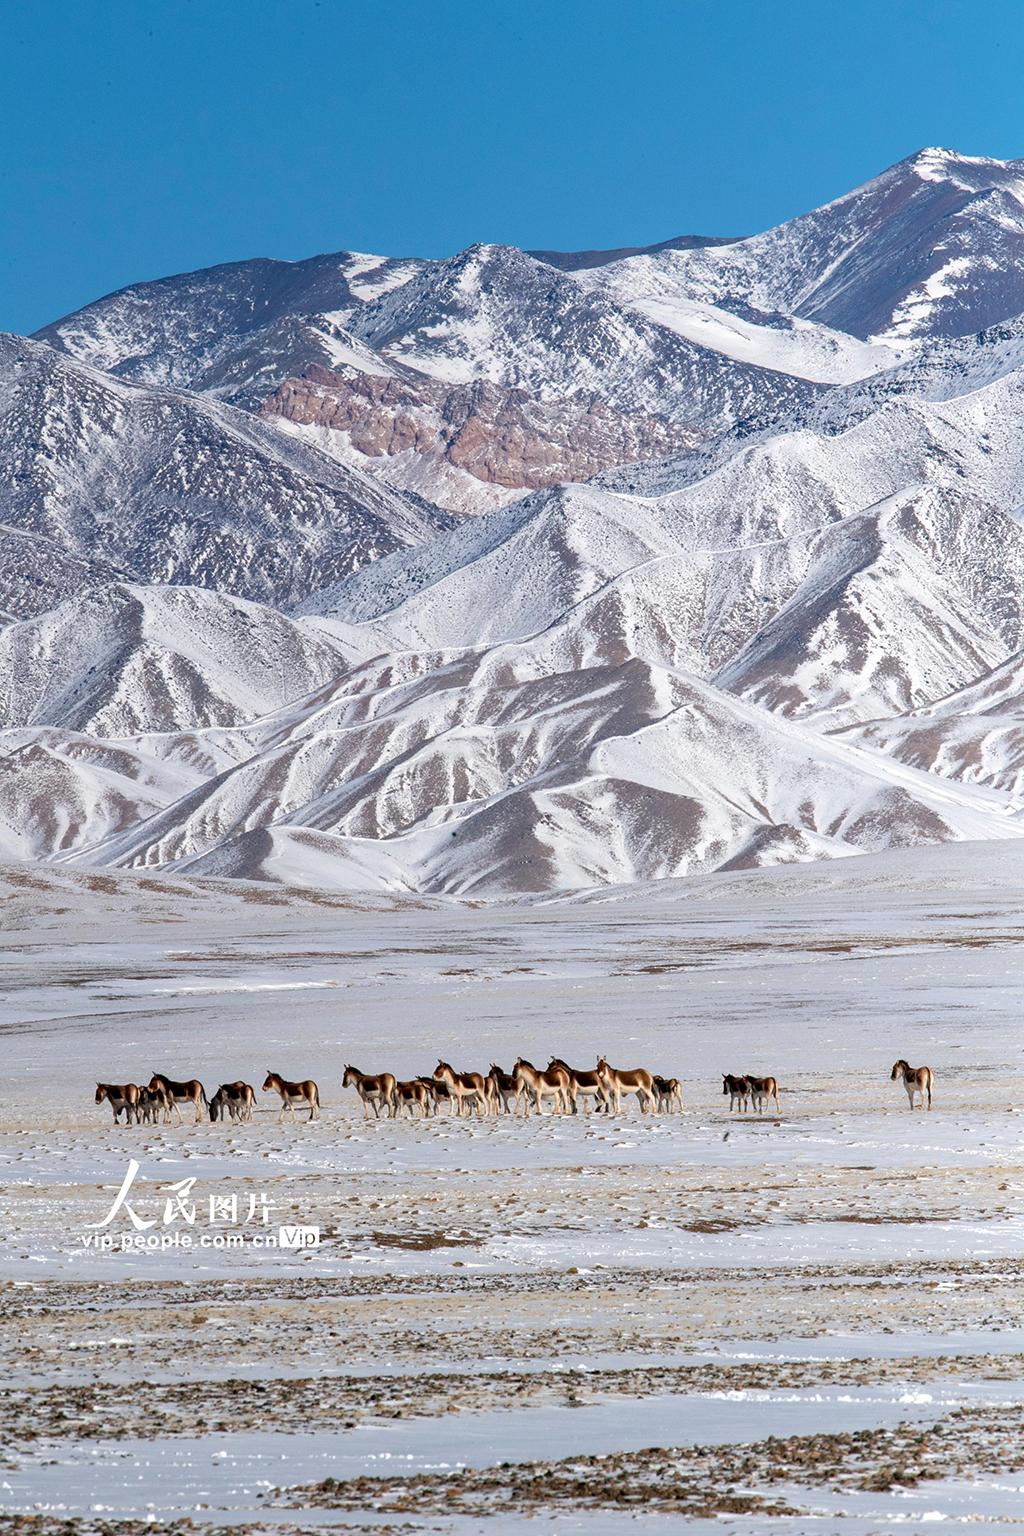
(512, 1290)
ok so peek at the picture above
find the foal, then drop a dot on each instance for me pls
(915, 1080)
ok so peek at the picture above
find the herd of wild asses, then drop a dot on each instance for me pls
(465, 1093)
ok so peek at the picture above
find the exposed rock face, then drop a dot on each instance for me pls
(501, 436)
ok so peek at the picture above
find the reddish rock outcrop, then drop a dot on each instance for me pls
(500, 436)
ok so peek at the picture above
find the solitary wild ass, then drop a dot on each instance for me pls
(175, 1094)
(376, 1089)
(234, 1099)
(915, 1080)
(120, 1096)
(464, 1087)
(582, 1085)
(633, 1080)
(303, 1093)
(738, 1088)
(552, 1084)
(761, 1091)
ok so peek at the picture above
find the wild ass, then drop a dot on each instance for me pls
(915, 1080)
(176, 1094)
(666, 1091)
(305, 1093)
(464, 1087)
(413, 1092)
(762, 1089)
(738, 1088)
(583, 1085)
(503, 1087)
(120, 1096)
(377, 1089)
(552, 1084)
(633, 1080)
(234, 1099)
(437, 1089)
(150, 1106)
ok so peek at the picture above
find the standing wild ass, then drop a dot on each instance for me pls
(633, 1080)
(915, 1080)
(738, 1088)
(761, 1091)
(463, 1087)
(552, 1084)
(176, 1094)
(377, 1089)
(120, 1096)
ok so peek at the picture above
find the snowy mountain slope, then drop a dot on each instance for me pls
(186, 331)
(493, 312)
(61, 790)
(974, 734)
(934, 246)
(163, 486)
(462, 588)
(120, 659)
(462, 439)
(484, 773)
(910, 600)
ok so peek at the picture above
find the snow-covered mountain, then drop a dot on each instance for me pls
(119, 659)
(105, 479)
(483, 772)
(932, 247)
(746, 583)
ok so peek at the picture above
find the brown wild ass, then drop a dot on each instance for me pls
(761, 1091)
(437, 1089)
(915, 1080)
(120, 1096)
(176, 1094)
(413, 1092)
(738, 1088)
(552, 1084)
(463, 1087)
(377, 1089)
(150, 1106)
(303, 1093)
(634, 1080)
(666, 1091)
(503, 1087)
(582, 1085)
(234, 1099)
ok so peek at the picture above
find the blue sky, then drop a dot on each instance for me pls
(139, 140)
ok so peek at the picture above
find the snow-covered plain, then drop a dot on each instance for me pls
(680, 1242)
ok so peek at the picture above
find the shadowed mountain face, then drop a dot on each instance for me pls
(744, 582)
(578, 261)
